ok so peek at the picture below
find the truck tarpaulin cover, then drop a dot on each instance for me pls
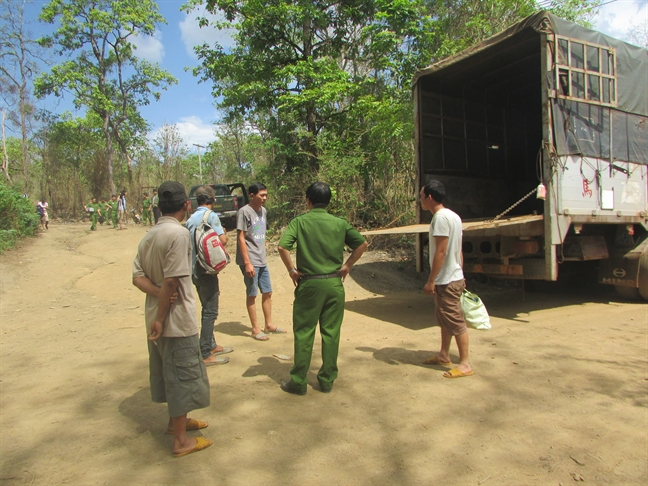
(616, 131)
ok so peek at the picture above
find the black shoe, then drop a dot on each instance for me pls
(288, 387)
(325, 389)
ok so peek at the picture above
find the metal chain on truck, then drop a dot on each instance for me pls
(514, 205)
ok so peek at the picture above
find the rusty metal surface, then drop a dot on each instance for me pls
(583, 248)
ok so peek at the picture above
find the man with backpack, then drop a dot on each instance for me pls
(207, 283)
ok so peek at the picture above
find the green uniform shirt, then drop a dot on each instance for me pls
(320, 239)
(113, 205)
(95, 206)
(146, 204)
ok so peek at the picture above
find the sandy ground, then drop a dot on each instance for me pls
(559, 394)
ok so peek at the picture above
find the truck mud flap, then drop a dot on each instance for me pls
(622, 269)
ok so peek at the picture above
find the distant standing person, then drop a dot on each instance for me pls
(207, 285)
(154, 203)
(121, 209)
(251, 258)
(147, 217)
(162, 270)
(113, 210)
(93, 209)
(44, 220)
(446, 280)
(102, 208)
(319, 277)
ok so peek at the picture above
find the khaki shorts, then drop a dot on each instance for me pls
(448, 307)
(178, 375)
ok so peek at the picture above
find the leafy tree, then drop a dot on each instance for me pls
(73, 162)
(105, 76)
(327, 86)
(170, 150)
(19, 55)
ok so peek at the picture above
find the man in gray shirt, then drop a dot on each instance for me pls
(251, 258)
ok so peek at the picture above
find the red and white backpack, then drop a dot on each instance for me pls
(210, 252)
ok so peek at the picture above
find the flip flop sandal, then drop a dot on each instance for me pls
(192, 424)
(455, 373)
(219, 361)
(201, 443)
(278, 330)
(223, 351)
(260, 336)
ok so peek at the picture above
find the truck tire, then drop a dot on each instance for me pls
(628, 293)
(643, 275)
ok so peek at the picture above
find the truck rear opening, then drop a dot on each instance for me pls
(544, 102)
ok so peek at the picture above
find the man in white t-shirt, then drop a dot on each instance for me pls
(42, 205)
(446, 280)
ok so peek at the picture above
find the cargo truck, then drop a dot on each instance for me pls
(540, 135)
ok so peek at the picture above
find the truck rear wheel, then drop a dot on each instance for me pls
(643, 275)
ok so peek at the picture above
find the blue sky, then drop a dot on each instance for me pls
(189, 104)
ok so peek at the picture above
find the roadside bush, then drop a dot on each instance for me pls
(18, 217)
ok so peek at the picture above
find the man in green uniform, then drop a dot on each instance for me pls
(111, 206)
(93, 209)
(102, 206)
(318, 276)
(147, 217)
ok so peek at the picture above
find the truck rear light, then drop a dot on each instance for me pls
(235, 202)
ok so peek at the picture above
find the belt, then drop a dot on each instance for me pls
(328, 275)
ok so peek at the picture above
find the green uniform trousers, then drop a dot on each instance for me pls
(93, 219)
(147, 217)
(317, 300)
(115, 218)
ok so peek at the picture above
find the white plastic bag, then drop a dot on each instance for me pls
(474, 311)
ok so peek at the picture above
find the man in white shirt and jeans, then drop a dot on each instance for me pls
(446, 280)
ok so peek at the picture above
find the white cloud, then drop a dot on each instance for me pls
(194, 35)
(618, 17)
(192, 129)
(149, 47)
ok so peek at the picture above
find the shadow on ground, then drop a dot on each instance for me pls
(232, 328)
(398, 287)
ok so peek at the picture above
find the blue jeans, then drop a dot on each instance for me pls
(207, 287)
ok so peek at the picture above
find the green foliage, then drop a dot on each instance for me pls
(105, 76)
(579, 11)
(326, 86)
(18, 217)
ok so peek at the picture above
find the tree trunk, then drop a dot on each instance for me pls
(5, 157)
(109, 152)
(124, 150)
(311, 115)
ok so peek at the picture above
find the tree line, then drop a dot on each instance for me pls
(310, 90)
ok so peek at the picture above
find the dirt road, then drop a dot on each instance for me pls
(560, 391)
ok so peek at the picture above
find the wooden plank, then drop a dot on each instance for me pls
(474, 228)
